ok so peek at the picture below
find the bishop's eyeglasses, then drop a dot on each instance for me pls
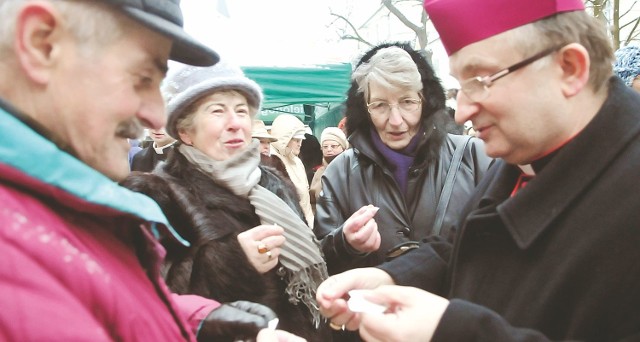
(477, 88)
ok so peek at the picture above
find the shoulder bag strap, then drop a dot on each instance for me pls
(447, 188)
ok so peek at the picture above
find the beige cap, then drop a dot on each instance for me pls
(259, 131)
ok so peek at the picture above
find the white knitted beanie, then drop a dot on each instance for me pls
(186, 84)
(335, 134)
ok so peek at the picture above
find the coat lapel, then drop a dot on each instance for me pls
(573, 170)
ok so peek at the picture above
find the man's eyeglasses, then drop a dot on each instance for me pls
(380, 108)
(330, 147)
(477, 88)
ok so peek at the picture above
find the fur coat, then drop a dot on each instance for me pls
(210, 217)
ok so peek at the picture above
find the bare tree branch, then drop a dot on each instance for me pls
(419, 30)
(393, 9)
(599, 8)
(358, 39)
(630, 23)
(633, 34)
(629, 10)
(357, 36)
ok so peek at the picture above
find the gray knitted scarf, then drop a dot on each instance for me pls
(304, 267)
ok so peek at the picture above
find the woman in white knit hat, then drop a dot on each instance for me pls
(248, 237)
(333, 141)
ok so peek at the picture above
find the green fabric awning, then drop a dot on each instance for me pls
(308, 92)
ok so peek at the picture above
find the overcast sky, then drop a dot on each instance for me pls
(282, 32)
(260, 32)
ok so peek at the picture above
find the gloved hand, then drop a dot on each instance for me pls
(241, 320)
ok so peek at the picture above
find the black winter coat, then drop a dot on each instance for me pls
(559, 260)
(361, 176)
(210, 217)
(146, 159)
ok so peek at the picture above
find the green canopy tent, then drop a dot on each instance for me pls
(314, 94)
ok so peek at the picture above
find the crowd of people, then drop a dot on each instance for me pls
(517, 222)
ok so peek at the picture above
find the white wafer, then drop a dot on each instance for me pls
(357, 303)
(273, 324)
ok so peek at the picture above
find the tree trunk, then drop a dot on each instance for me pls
(615, 27)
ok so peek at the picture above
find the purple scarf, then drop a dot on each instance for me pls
(399, 161)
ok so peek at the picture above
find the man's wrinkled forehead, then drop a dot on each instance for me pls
(483, 57)
(464, 22)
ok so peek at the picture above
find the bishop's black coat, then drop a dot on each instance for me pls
(559, 260)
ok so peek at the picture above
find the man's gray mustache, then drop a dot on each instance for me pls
(131, 130)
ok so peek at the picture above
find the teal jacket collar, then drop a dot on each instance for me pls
(28, 152)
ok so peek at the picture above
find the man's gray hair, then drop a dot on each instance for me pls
(93, 23)
(570, 27)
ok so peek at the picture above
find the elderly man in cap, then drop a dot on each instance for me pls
(79, 254)
(555, 259)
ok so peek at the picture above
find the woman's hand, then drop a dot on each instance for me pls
(262, 245)
(361, 230)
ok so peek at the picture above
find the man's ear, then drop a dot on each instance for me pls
(575, 62)
(38, 31)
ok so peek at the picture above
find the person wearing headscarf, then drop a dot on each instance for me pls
(247, 233)
(289, 131)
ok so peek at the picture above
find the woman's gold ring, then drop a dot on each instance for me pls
(262, 248)
(336, 326)
(269, 255)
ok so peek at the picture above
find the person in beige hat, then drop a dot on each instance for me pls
(259, 131)
(333, 141)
